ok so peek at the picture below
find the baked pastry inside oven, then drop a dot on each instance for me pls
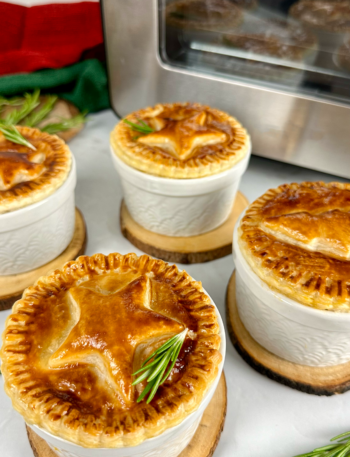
(186, 140)
(296, 238)
(28, 176)
(211, 15)
(275, 38)
(73, 341)
(330, 16)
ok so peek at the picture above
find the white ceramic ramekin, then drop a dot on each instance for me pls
(170, 443)
(179, 207)
(36, 234)
(285, 327)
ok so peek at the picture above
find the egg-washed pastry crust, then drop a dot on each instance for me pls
(28, 176)
(296, 238)
(73, 341)
(205, 15)
(190, 141)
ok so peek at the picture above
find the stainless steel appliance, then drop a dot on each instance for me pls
(288, 82)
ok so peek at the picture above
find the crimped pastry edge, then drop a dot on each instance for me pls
(183, 397)
(143, 158)
(45, 185)
(319, 294)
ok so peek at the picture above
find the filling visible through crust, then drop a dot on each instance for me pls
(297, 239)
(73, 342)
(186, 140)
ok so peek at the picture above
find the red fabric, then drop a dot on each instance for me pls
(47, 36)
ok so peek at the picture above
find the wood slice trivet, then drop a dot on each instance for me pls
(183, 249)
(312, 380)
(203, 444)
(12, 286)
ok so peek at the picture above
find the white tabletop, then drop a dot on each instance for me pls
(264, 418)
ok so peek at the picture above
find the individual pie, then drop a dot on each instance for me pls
(187, 140)
(330, 16)
(274, 38)
(75, 338)
(296, 238)
(211, 15)
(28, 176)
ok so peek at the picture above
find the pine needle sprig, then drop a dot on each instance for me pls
(340, 448)
(35, 117)
(154, 371)
(141, 127)
(31, 101)
(65, 124)
(12, 134)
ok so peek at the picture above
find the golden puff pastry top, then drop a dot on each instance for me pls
(73, 341)
(296, 238)
(28, 176)
(189, 140)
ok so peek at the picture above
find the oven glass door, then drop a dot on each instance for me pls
(298, 46)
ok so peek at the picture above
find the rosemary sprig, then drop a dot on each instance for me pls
(31, 101)
(35, 117)
(141, 127)
(154, 371)
(12, 134)
(339, 449)
(14, 101)
(65, 124)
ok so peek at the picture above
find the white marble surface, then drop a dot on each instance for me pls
(264, 419)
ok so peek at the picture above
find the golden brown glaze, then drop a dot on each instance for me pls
(28, 176)
(297, 239)
(16, 168)
(331, 16)
(189, 140)
(205, 14)
(73, 341)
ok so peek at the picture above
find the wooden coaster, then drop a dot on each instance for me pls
(312, 380)
(12, 286)
(191, 249)
(203, 443)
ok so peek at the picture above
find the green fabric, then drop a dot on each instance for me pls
(84, 84)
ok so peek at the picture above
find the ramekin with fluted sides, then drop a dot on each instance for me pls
(180, 207)
(36, 234)
(285, 327)
(170, 443)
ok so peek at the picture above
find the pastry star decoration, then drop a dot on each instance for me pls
(18, 167)
(315, 219)
(181, 138)
(107, 331)
(327, 232)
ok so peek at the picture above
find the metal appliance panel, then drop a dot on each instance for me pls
(289, 127)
